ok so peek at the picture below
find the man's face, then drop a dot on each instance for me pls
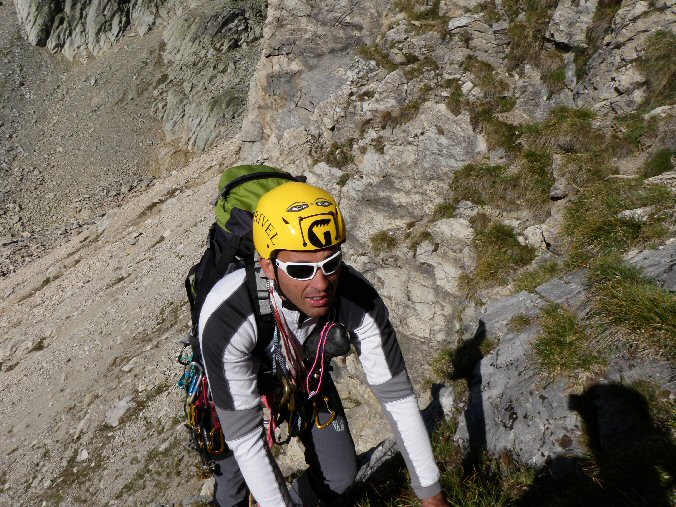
(313, 297)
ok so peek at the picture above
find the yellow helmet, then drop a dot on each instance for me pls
(296, 216)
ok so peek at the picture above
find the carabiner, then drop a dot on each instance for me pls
(191, 414)
(216, 430)
(195, 381)
(183, 358)
(315, 409)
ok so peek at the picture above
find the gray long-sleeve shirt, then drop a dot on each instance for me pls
(228, 336)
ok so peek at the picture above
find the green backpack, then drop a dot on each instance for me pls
(231, 236)
(230, 240)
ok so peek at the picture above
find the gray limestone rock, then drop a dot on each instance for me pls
(86, 25)
(636, 215)
(570, 22)
(210, 52)
(659, 264)
(613, 82)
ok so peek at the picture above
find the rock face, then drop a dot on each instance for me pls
(210, 53)
(570, 22)
(613, 81)
(88, 25)
(169, 79)
(512, 406)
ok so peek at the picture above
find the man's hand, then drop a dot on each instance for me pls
(435, 501)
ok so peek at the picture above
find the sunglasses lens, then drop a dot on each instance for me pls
(300, 271)
(332, 265)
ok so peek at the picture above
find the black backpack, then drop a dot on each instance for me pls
(230, 241)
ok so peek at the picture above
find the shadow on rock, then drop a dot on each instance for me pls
(465, 360)
(631, 461)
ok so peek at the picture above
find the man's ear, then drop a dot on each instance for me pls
(268, 268)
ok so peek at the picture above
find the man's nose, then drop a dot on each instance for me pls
(320, 280)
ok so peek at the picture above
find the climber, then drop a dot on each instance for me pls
(298, 231)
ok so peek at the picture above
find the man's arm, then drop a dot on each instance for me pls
(365, 313)
(228, 336)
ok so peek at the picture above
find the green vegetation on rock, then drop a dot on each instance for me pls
(498, 253)
(383, 242)
(629, 304)
(596, 32)
(564, 349)
(340, 155)
(658, 164)
(593, 228)
(658, 65)
(527, 184)
(532, 278)
(526, 33)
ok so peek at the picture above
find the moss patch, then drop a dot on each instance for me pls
(658, 164)
(383, 242)
(339, 155)
(445, 209)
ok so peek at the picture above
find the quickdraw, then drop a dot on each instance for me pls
(200, 411)
(296, 405)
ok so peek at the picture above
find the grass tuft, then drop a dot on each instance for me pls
(553, 69)
(567, 130)
(527, 185)
(659, 403)
(594, 230)
(527, 33)
(442, 365)
(486, 482)
(531, 279)
(658, 164)
(340, 155)
(628, 301)
(383, 242)
(499, 254)
(485, 77)
(374, 52)
(634, 128)
(419, 239)
(456, 99)
(658, 65)
(443, 210)
(519, 322)
(585, 169)
(563, 349)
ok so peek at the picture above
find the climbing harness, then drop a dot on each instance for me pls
(294, 401)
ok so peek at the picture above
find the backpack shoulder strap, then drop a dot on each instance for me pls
(260, 300)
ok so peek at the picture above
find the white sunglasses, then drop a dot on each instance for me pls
(307, 270)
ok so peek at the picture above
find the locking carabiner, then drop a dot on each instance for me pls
(315, 410)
